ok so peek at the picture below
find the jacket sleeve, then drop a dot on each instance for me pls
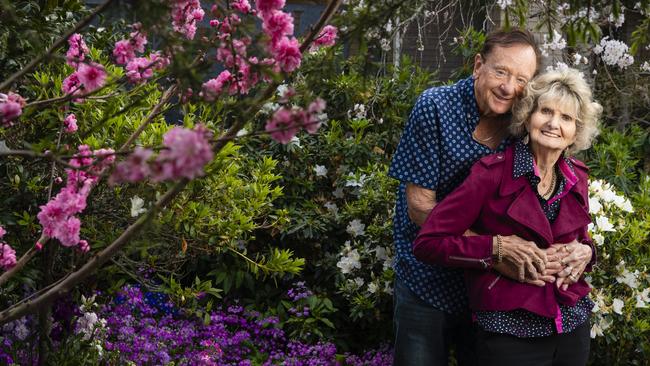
(441, 241)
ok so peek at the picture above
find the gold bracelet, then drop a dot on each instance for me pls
(499, 243)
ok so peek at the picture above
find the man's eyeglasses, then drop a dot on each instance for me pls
(504, 75)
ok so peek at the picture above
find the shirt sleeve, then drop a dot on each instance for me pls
(441, 239)
(417, 157)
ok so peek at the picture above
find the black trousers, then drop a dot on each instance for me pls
(424, 335)
(566, 349)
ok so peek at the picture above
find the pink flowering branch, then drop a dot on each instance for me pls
(7, 83)
(31, 306)
(23, 260)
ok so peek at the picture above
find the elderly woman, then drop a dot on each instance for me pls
(534, 191)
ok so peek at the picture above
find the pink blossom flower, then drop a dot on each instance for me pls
(2, 232)
(326, 38)
(134, 168)
(242, 5)
(187, 152)
(277, 24)
(185, 14)
(68, 234)
(70, 122)
(123, 52)
(213, 87)
(158, 60)
(10, 109)
(139, 69)
(287, 53)
(282, 126)
(7, 256)
(84, 247)
(77, 51)
(138, 37)
(315, 116)
(317, 106)
(92, 76)
(265, 6)
(71, 84)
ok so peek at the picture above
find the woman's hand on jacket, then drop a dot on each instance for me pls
(573, 257)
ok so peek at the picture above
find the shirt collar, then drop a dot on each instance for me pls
(466, 90)
(524, 164)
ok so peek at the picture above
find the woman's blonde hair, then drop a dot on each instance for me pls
(559, 86)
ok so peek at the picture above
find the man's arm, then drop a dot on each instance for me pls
(419, 201)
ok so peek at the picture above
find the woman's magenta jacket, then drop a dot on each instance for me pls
(491, 202)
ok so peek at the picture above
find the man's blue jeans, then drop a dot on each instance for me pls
(424, 335)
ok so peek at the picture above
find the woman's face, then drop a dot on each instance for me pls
(552, 126)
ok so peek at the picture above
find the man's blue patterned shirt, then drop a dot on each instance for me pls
(436, 152)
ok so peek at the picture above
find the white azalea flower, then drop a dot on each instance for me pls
(388, 287)
(295, 141)
(356, 228)
(331, 207)
(380, 253)
(372, 287)
(598, 239)
(603, 224)
(618, 305)
(599, 326)
(269, 107)
(504, 3)
(629, 278)
(353, 182)
(320, 171)
(599, 303)
(338, 193)
(137, 206)
(594, 205)
(627, 206)
(643, 298)
(349, 262)
(242, 132)
(359, 281)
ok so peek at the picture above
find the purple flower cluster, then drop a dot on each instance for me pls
(141, 330)
(141, 333)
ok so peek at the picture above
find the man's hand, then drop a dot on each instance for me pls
(529, 260)
(511, 271)
(573, 257)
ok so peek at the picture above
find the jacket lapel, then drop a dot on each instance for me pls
(525, 208)
(573, 214)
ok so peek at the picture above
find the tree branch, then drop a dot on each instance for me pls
(7, 83)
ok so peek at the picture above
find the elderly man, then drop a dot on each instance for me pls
(449, 129)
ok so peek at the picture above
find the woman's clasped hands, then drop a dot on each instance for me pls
(561, 263)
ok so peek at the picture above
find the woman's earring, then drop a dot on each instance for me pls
(526, 139)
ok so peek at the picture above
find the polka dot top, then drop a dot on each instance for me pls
(436, 151)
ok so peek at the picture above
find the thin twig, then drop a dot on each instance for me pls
(157, 109)
(7, 83)
(22, 261)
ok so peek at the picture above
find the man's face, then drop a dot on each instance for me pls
(501, 76)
